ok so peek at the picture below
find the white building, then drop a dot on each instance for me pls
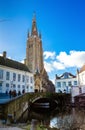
(81, 79)
(65, 82)
(15, 76)
(81, 83)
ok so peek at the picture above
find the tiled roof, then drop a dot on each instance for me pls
(82, 69)
(13, 64)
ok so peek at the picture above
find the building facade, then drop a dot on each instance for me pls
(65, 82)
(81, 79)
(15, 76)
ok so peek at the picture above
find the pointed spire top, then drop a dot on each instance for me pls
(34, 26)
(34, 16)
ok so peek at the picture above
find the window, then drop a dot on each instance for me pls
(23, 78)
(69, 83)
(18, 86)
(14, 86)
(66, 75)
(31, 79)
(14, 76)
(27, 79)
(19, 77)
(75, 82)
(31, 87)
(7, 85)
(27, 87)
(23, 86)
(1, 74)
(58, 84)
(64, 84)
(7, 75)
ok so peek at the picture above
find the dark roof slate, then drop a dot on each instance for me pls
(13, 64)
(66, 73)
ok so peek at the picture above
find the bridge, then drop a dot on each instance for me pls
(14, 108)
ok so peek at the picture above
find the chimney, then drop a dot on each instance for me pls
(4, 54)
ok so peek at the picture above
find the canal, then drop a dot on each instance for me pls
(58, 119)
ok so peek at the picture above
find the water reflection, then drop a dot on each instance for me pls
(75, 120)
(60, 119)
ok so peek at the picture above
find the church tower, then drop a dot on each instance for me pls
(34, 52)
(34, 59)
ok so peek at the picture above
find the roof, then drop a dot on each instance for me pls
(82, 68)
(13, 64)
(65, 76)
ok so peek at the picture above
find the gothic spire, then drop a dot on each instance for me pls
(34, 26)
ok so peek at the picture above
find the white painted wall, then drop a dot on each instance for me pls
(66, 86)
(29, 87)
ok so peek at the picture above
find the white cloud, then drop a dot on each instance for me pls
(48, 66)
(10, 58)
(63, 60)
(48, 54)
(73, 59)
(22, 61)
(58, 66)
(0, 54)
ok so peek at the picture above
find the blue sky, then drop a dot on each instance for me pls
(62, 25)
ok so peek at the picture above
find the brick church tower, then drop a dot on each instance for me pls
(34, 59)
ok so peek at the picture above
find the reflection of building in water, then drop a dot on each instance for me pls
(74, 120)
(34, 124)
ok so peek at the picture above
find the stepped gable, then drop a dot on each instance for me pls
(13, 64)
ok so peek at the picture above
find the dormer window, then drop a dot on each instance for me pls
(66, 76)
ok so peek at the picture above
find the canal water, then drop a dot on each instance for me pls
(58, 119)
